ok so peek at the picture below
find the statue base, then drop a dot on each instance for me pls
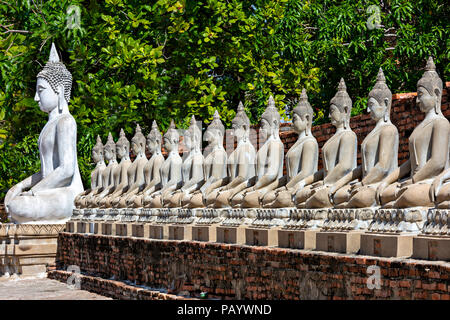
(235, 235)
(205, 232)
(27, 249)
(431, 248)
(342, 242)
(180, 232)
(387, 245)
(158, 231)
(262, 236)
(297, 239)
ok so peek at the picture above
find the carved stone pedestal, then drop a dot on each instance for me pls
(180, 232)
(433, 243)
(387, 245)
(235, 235)
(342, 242)
(108, 228)
(123, 229)
(159, 231)
(27, 249)
(140, 230)
(205, 232)
(297, 239)
(207, 223)
(261, 236)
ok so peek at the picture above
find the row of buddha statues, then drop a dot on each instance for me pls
(247, 178)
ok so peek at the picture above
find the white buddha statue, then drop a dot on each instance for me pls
(48, 195)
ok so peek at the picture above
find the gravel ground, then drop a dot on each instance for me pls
(41, 288)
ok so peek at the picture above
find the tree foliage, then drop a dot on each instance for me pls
(134, 61)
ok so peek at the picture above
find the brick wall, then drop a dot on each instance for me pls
(246, 272)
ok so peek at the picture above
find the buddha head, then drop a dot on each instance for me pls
(154, 139)
(429, 89)
(270, 120)
(380, 99)
(171, 138)
(215, 132)
(53, 85)
(192, 136)
(341, 107)
(122, 145)
(97, 151)
(110, 149)
(138, 141)
(241, 124)
(303, 115)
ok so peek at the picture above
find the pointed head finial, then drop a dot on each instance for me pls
(122, 133)
(138, 137)
(172, 124)
(430, 64)
(240, 107)
(154, 125)
(54, 57)
(99, 140)
(154, 133)
(216, 124)
(271, 114)
(138, 128)
(110, 137)
(123, 141)
(342, 86)
(303, 107)
(271, 102)
(380, 76)
(216, 115)
(241, 118)
(172, 133)
(303, 95)
(110, 144)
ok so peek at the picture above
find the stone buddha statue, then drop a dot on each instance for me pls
(214, 166)
(379, 153)
(152, 174)
(339, 155)
(109, 151)
(192, 167)
(241, 165)
(171, 176)
(119, 177)
(440, 190)
(409, 185)
(96, 174)
(269, 161)
(301, 159)
(48, 195)
(135, 171)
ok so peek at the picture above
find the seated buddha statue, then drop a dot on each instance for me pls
(96, 174)
(301, 159)
(48, 195)
(135, 172)
(171, 176)
(440, 190)
(191, 169)
(214, 166)
(119, 174)
(339, 155)
(241, 165)
(109, 151)
(379, 152)
(152, 175)
(409, 185)
(269, 161)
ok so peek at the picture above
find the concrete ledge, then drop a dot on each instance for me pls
(297, 239)
(114, 289)
(342, 242)
(387, 245)
(431, 248)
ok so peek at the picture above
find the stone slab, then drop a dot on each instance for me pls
(297, 239)
(341, 242)
(108, 228)
(387, 245)
(140, 230)
(71, 226)
(123, 229)
(261, 237)
(431, 248)
(158, 231)
(205, 233)
(235, 235)
(180, 232)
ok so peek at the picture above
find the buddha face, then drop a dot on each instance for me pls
(136, 147)
(265, 130)
(376, 109)
(188, 141)
(336, 116)
(97, 155)
(121, 151)
(109, 153)
(45, 96)
(152, 145)
(425, 101)
(300, 123)
(239, 131)
(170, 144)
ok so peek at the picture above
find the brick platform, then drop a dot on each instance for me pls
(229, 271)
